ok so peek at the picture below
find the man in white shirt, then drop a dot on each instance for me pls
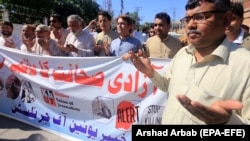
(79, 42)
(58, 32)
(8, 39)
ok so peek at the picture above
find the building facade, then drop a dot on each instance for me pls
(246, 5)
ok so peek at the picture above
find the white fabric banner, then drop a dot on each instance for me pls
(87, 98)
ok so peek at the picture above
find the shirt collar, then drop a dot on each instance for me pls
(239, 39)
(222, 51)
(164, 39)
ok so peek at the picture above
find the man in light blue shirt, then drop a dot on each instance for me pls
(125, 42)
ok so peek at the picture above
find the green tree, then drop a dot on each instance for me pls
(145, 25)
(87, 9)
(134, 16)
(20, 10)
(36, 10)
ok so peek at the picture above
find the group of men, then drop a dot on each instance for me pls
(79, 41)
(207, 81)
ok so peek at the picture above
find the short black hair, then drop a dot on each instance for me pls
(105, 14)
(163, 16)
(237, 8)
(222, 5)
(8, 24)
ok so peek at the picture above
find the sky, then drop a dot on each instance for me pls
(148, 8)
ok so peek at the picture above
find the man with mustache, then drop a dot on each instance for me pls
(44, 45)
(58, 33)
(79, 42)
(208, 81)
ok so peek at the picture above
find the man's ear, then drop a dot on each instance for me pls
(228, 18)
(170, 25)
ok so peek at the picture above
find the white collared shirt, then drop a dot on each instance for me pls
(239, 39)
(83, 41)
(16, 39)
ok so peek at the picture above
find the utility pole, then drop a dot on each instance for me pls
(107, 5)
(173, 18)
(137, 14)
(121, 12)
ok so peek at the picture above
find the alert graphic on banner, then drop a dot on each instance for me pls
(81, 98)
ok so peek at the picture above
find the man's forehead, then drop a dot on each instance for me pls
(158, 20)
(200, 8)
(6, 27)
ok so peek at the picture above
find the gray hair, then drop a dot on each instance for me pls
(75, 18)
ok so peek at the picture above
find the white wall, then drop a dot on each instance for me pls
(17, 29)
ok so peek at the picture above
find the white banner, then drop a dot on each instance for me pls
(85, 98)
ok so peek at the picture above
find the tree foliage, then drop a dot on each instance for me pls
(36, 10)
(87, 9)
(135, 16)
(20, 10)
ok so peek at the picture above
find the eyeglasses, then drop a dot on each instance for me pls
(199, 17)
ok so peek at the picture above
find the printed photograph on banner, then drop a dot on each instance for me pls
(1, 83)
(103, 109)
(27, 93)
(48, 96)
(152, 115)
(13, 86)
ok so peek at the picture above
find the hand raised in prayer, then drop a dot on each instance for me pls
(217, 113)
(141, 62)
(9, 43)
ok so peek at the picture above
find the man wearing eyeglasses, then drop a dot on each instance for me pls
(208, 81)
(58, 32)
(235, 33)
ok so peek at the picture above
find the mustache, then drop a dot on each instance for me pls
(193, 31)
